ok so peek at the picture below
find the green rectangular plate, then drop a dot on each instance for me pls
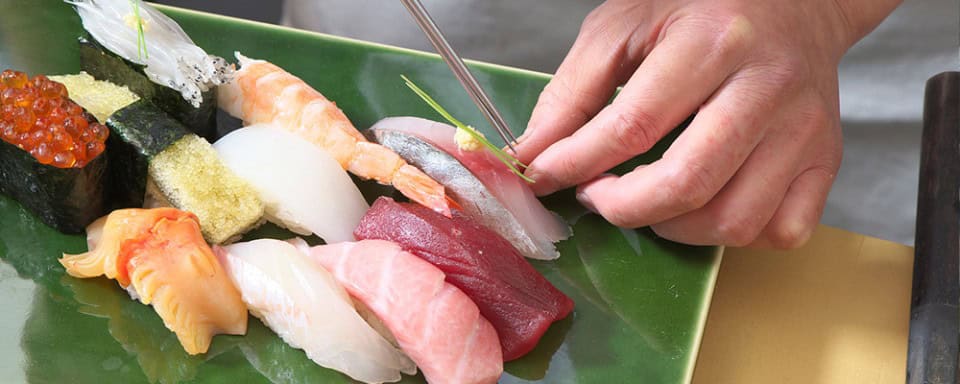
(641, 301)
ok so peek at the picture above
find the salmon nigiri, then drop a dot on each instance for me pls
(160, 257)
(435, 323)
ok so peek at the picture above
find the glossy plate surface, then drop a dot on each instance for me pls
(640, 301)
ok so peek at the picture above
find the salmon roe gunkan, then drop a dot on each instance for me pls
(37, 116)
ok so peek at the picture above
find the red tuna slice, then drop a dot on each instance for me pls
(519, 302)
(437, 326)
(485, 188)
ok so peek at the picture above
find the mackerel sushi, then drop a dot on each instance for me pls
(485, 188)
(52, 154)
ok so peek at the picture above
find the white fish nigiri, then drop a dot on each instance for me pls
(302, 187)
(486, 189)
(172, 59)
(305, 305)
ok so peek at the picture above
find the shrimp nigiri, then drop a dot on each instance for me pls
(262, 92)
(160, 257)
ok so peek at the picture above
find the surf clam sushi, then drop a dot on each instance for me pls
(160, 257)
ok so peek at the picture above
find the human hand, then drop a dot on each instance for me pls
(755, 165)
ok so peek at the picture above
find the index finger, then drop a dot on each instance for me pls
(697, 165)
(678, 76)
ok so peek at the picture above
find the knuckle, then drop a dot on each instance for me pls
(790, 235)
(733, 38)
(570, 170)
(738, 230)
(619, 218)
(689, 188)
(634, 132)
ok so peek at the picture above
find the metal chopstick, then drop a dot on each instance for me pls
(460, 70)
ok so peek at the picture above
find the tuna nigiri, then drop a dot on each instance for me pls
(160, 256)
(485, 188)
(519, 302)
(262, 92)
(434, 322)
(305, 305)
(302, 187)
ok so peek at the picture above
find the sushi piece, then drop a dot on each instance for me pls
(164, 66)
(305, 305)
(100, 98)
(264, 93)
(190, 176)
(485, 188)
(434, 322)
(149, 148)
(160, 257)
(301, 186)
(51, 152)
(519, 302)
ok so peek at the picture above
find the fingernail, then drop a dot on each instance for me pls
(585, 200)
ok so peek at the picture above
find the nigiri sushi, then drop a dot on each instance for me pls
(137, 46)
(262, 92)
(434, 322)
(519, 302)
(160, 257)
(485, 188)
(301, 186)
(305, 305)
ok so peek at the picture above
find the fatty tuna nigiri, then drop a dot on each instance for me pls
(484, 187)
(434, 322)
(302, 187)
(519, 302)
(305, 305)
(160, 257)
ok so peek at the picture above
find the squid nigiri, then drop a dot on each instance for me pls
(302, 187)
(435, 323)
(160, 257)
(305, 305)
(486, 189)
(261, 92)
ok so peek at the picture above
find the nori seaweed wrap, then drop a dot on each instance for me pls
(138, 132)
(105, 65)
(67, 199)
(153, 158)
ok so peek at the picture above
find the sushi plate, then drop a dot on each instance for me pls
(641, 301)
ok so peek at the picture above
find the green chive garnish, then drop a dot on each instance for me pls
(141, 37)
(500, 154)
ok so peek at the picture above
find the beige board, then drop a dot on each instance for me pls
(833, 311)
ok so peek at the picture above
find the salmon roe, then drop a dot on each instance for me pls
(37, 116)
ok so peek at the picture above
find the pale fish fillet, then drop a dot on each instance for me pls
(305, 305)
(435, 323)
(485, 188)
(303, 188)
